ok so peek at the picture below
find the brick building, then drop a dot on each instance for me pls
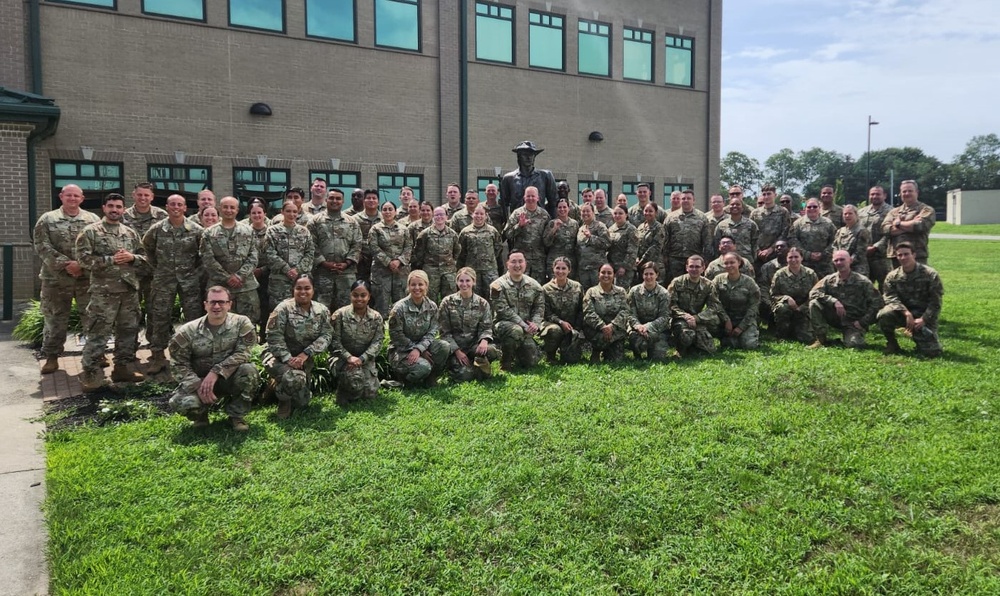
(250, 97)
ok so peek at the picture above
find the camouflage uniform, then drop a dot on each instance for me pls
(622, 252)
(652, 239)
(713, 224)
(361, 337)
(871, 218)
(55, 242)
(528, 239)
(141, 223)
(860, 299)
(461, 219)
(291, 332)
(228, 251)
(496, 216)
(309, 209)
(740, 301)
(764, 277)
(515, 305)
(920, 293)
(918, 237)
(415, 327)
(636, 216)
(453, 210)
(414, 228)
(697, 298)
(559, 243)
(591, 253)
(172, 254)
(301, 219)
(286, 248)
(336, 238)
(259, 236)
(855, 241)
(365, 222)
(114, 292)
(772, 225)
(715, 267)
(438, 253)
(606, 217)
(835, 214)
(465, 323)
(563, 304)
(480, 249)
(814, 236)
(686, 235)
(601, 308)
(388, 243)
(789, 285)
(196, 349)
(650, 308)
(744, 232)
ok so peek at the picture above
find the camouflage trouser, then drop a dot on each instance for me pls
(460, 373)
(360, 383)
(822, 268)
(160, 309)
(422, 370)
(365, 265)
(625, 280)
(441, 282)
(749, 339)
(612, 349)
(145, 287)
(333, 290)
(516, 344)
(388, 287)
(246, 303)
(686, 337)
(926, 339)
(792, 323)
(483, 280)
(655, 346)
(821, 315)
(116, 313)
(568, 345)
(536, 266)
(878, 268)
(238, 393)
(587, 278)
(56, 303)
(675, 268)
(292, 384)
(279, 288)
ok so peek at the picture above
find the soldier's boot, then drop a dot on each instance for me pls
(104, 362)
(91, 381)
(157, 362)
(198, 418)
(123, 373)
(891, 345)
(819, 343)
(240, 425)
(284, 409)
(484, 366)
(51, 365)
(269, 396)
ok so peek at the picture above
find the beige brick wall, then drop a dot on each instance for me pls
(14, 225)
(12, 45)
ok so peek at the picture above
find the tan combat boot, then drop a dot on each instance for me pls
(123, 373)
(819, 343)
(51, 365)
(240, 425)
(198, 418)
(156, 363)
(91, 381)
(284, 409)
(485, 367)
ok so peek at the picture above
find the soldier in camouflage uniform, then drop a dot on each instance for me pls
(171, 248)
(829, 209)
(910, 222)
(524, 231)
(416, 355)
(813, 235)
(913, 294)
(140, 217)
(426, 219)
(789, 293)
(391, 247)
(107, 249)
(337, 243)
(297, 196)
(481, 246)
(740, 299)
(845, 300)
(63, 278)
(716, 214)
(494, 210)
(466, 324)
(652, 237)
(623, 249)
(210, 359)
(366, 219)
(258, 222)
(602, 211)
(766, 274)
(716, 267)
(562, 331)
(741, 229)
(871, 217)
(229, 256)
(592, 242)
(463, 217)
(437, 249)
(649, 316)
(793, 213)
(297, 329)
(635, 212)
(519, 311)
(686, 234)
(288, 252)
(772, 222)
(355, 344)
(206, 199)
(559, 236)
(606, 317)
(694, 309)
(854, 238)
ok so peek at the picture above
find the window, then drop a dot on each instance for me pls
(628, 189)
(267, 183)
(397, 24)
(182, 180)
(638, 54)
(482, 182)
(94, 178)
(113, 4)
(494, 33)
(593, 185)
(679, 61)
(181, 9)
(389, 186)
(268, 15)
(331, 19)
(546, 41)
(595, 48)
(345, 182)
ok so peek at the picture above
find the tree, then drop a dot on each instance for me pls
(978, 167)
(892, 165)
(784, 169)
(739, 168)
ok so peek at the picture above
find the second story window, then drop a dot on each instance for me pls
(595, 48)
(679, 61)
(267, 15)
(637, 52)
(547, 40)
(397, 24)
(331, 19)
(494, 32)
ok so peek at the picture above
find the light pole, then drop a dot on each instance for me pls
(868, 173)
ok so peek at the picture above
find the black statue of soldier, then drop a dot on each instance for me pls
(513, 183)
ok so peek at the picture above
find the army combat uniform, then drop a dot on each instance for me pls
(292, 331)
(814, 236)
(528, 238)
(602, 308)
(415, 327)
(789, 321)
(387, 243)
(361, 337)
(464, 323)
(861, 302)
(286, 248)
(438, 251)
(622, 252)
(740, 301)
(698, 299)
(919, 293)
(480, 250)
(652, 309)
(336, 238)
(232, 251)
(563, 304)
(515, 305)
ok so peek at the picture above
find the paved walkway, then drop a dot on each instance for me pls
(962, 237)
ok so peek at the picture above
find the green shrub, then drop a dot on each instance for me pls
(30, 328)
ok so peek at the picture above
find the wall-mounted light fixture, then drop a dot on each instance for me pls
(260, 109)
(638, 177)
(596, 137)
(334, 163)
(497, 170)
(179, 157)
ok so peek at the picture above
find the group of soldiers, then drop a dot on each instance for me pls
(700, 274)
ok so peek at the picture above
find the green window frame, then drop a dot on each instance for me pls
(112, 4)
(592, 185)
(343, 180)
(169, 179)
(637, 54)
(95, 178)
(546, 40)
(267, 183)
(679, 61)
(389, 186)
(628, 189)
(191, 10)
(397, 24)
(263, 15)
(594, 48)
(494, 32)
(482, 182)
(332, 19)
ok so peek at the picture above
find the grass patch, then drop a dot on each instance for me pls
(975, 229)
(778, 471)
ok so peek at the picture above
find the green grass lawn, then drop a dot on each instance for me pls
(983, 229)
(779, 471)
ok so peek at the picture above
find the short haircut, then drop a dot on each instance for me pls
(217, 290)
(905, 245)
(371, 191)
(112, 196)
(642, 185)
(146, 185)
(769, 187)
(295, 189)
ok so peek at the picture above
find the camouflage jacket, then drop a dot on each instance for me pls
(918, 236)
(437, 248)
(291, 332)
(601, 308)
(386, 243)
(649, 307)
(519, 303)
(835, 214)
(480, 247)
(96, 247)
(564, 304)
(336, 238)
(624, 247)
(412, 326)
(740, 299)
(228, 251)
(789, 285)
(860, 298)
(872, 218)
(55, 241)
(855, 241)
(687, 234)
(142, 222)
(651, 241)
(813, 236)
(919, 292)
(636, 216)
(172, 252)
(592, 252)
(196, 349)
(692, 297)
(772, 224)
(561, 242)
(351, 335)
(744, 232)
(529, 237)
(465, 322)
(287, 248)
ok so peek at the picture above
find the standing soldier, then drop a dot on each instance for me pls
(229, 256)
(171, 249)
(206, 199)
(687, 234)
(367, 218)
(910, 222)
(337, 242)
(913, 293)
(494, 210)
(742, 229)
(623, 249)
(391, 247)
(108, 250)
(63, 279)
(830, 209)
(480, 249)
(813, 235)
(772, 222)
(524, 232)
(872, 215)
(635, 212)
(845, 300)
(519, 307)
(437, 249)
(140, 217)
(288, 252)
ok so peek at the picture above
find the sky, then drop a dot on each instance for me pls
(808, 73)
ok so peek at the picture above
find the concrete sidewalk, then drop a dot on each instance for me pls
(23, 536)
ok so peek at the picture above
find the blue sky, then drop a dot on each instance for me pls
(807, 73)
